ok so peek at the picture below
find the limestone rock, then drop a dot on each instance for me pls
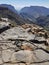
(24, 56)
(28, 46)
(6, 55)
(1, 62)
(1, 58)
(17, 33)
(10, 64)
(44, 63)
(39, 38)
(41, 55)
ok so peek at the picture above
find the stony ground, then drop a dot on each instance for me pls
(23, 46)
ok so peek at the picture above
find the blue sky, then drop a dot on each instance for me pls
(18, 4)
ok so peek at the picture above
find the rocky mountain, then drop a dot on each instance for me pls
(26, 44)
(8, 11)
(28, 18)
(36, 14)
(43, 21)
(9, 7)
(35, 11)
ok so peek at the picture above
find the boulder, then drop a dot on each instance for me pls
(22, 56)
(17, 33)
(41, 55)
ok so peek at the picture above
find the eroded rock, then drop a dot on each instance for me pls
(22, 56)
(6, 55)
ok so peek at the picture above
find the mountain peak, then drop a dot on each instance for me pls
(9, 7)
(35, 11)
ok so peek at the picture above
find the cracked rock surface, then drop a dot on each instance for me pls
(20, 46)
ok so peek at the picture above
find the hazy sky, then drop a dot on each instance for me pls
(18, 4)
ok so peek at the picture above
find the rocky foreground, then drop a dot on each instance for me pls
(24, 45)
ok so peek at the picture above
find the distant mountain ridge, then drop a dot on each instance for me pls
(8, 11)
(36, 14)
(43, 21)
(35, 11)
(29, 15)
(9, 7)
